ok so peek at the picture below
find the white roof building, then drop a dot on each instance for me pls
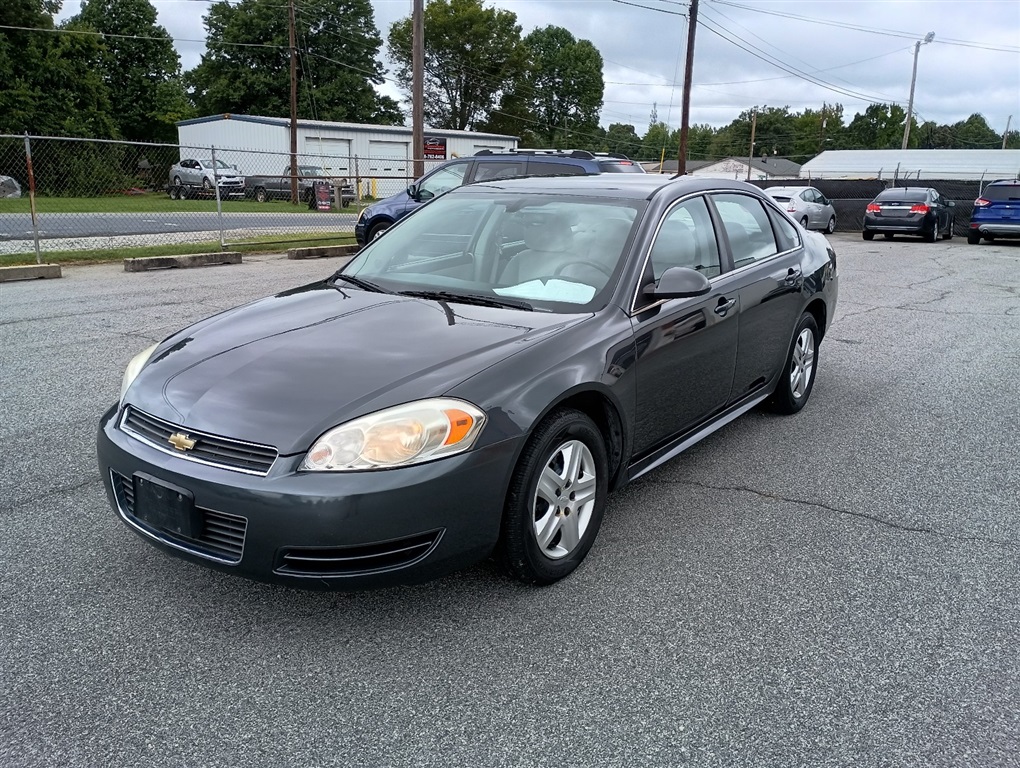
(920, 164)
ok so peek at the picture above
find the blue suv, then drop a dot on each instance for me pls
(996, 212)
(486, 166)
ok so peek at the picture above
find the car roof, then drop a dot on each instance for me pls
(637, 186)
(785, 190)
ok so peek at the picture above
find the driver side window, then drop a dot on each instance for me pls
(442, 181)
(686, 238)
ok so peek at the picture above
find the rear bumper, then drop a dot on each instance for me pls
(916, 224)
(997, 228)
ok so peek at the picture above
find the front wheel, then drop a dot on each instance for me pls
(377, 230)
(949, 230)
(556, 500)
(831, 226)
(798, 377)
(207, 185)
(868, 235)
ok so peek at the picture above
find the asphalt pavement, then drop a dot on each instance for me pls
(837, 588)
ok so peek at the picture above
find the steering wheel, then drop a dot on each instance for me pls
(594, 264)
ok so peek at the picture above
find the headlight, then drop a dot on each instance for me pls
(397, 437)
(134, 368)
(364, 212)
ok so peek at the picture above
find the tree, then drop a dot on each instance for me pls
(880, 127)
(338, 44)
(473, 56)
(558, 99)
(622, 138)
(141, 69)
(974, 133)
(657, 143)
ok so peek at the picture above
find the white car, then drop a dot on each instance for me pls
(191, 173)
(807, 205)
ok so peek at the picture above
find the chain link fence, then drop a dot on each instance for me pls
(81, 194)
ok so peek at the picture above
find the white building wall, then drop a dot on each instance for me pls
(963, 164)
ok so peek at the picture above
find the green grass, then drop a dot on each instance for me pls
(265, 244)
(151, 202)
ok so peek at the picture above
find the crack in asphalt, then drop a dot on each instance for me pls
(9, 506)
(846, 512)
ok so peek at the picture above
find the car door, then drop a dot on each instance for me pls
(811, 198)
(767, 277)
(686, 348)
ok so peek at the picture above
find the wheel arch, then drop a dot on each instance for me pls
(817, 309)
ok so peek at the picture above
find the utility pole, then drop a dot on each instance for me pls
(1006, 134)
(293, 106)
(685, 118)
(418, 87)
(750, 154)
(913, 78)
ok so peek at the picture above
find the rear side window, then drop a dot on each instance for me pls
(489, 171)
(538, 168)
(747, 228)
(997, 192)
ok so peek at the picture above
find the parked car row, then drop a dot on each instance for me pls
(192, 176)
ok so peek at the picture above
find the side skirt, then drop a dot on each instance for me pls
(682, 443)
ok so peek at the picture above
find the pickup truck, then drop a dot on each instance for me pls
(264, 188)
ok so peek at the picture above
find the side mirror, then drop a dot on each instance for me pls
(679, 283)
(951, 204)
(423, 195)
(412, 191)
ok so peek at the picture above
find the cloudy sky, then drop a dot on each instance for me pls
(796, 53)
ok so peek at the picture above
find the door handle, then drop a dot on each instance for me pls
(724, 306)
(793, 276)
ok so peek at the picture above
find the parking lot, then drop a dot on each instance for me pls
(839, 588)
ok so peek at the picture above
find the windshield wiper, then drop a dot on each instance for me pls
(365, 285)
(470, 298)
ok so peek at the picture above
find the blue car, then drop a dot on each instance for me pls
(486, 166)
(996, 212)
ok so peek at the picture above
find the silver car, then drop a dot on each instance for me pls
(807, 205)
(190, 172)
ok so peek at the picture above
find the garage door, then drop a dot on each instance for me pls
(332, 154)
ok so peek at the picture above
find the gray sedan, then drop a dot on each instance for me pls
(807, 205)
(201, 173)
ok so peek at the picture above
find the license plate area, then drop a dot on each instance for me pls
(166, 507)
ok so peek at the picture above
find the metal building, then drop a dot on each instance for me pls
(262, 144)
(920, 164)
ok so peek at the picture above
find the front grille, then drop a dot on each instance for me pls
(357, 560)
(219, 451)
(222, 535)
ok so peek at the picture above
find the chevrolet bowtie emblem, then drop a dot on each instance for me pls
(181, 441)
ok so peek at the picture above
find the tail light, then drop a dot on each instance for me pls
(791, 209)
(874, 208)
(981, 202)
(919, 208)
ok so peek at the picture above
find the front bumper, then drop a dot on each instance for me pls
(356, 530)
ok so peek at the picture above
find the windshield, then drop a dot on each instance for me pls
(219, 164)
(311, 170)
(557, 253)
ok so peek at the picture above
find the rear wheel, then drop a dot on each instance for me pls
(556, 499)
(260, 195)
(949, 230)
(175, 192)
(804, 222)
(868, 235)
(798, 377)
(933, 235)
(831, 226)
(973, 237)
(989, 238)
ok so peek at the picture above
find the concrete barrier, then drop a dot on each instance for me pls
(146, 263)
(29, 272)
(323, 251)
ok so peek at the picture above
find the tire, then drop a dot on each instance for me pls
(868, 235)
(949, 230)
(973, 237)
(831, 226)
(931, 237)
(798, 376)
(177, 181)
(544, 537)
(260, 195)
(988, 238)
(206, 185)
(377, 230)
(804, 222)
(174, 192)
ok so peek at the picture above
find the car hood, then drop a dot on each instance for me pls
(283, 369)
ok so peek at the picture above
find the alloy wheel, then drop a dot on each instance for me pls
(565, 499)
(803, 363)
